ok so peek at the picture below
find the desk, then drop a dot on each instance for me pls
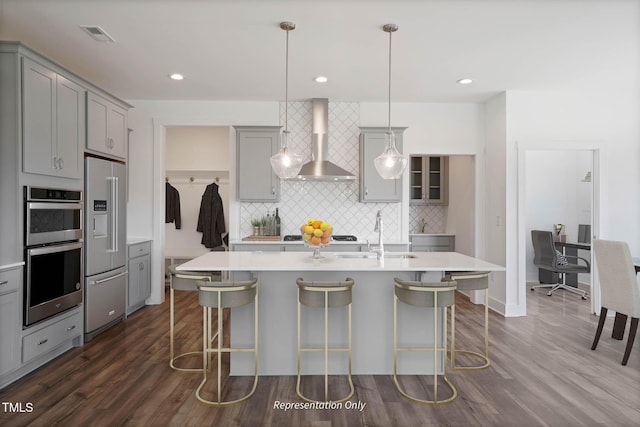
(569, 249)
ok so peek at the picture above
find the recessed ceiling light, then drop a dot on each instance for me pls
(176, 76)
(321, 79)
(465, 81)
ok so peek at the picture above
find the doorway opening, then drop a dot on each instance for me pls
(558, 184)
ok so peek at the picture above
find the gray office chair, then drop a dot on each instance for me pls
(547, 257)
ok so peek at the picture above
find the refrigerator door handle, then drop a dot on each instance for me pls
(97, 282)
(113, 181)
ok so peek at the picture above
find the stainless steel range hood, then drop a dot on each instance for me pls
(320, 168)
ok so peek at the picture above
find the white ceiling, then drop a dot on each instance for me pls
(235, 50)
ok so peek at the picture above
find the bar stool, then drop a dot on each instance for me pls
(470, 281)
(182, 281)
(431, 295)
(326, 295)
(222, 295)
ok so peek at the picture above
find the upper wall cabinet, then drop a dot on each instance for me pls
(429, 180)
(106, 127)
(373, 188)
(256, 180)
(53, 116)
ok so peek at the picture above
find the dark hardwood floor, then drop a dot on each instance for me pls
(543, 373)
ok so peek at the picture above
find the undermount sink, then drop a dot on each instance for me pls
(361, 255)
(372, 255)
(398, 255)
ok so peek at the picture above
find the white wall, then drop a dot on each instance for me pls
(460, 217)
(149, 119)
(607, 122)
(492, 203)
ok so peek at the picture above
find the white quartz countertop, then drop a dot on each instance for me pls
(432, 234)
(299, 242)
(338, 261)
(136, 240)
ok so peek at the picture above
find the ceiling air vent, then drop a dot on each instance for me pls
(97, 33)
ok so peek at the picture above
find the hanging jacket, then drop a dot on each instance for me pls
(211, 217)
(172, 210)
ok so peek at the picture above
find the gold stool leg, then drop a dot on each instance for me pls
(219, 350)
(172, 357)
(485, 356)
(325, 350)
(435, 349)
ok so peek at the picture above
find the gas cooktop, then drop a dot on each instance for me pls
(336, 237)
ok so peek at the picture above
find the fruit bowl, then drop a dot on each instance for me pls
(316, 234)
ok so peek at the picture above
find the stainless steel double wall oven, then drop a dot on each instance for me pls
(53, 221)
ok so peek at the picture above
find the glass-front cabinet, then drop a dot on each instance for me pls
(429, 180)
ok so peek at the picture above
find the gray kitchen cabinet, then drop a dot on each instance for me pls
(139, 280)
(53, 122)
(106, 127)
(66, 328)
(10, 315)
(257, 247)
(432, 243)
(429, 180)
(257, 182)
(373, 188)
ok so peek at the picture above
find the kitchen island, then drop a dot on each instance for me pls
(372, 309)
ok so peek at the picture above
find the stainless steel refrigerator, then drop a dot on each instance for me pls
(105, 245)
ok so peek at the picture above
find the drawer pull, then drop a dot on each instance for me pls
(44, 341)
(71, 328)
(4, 282)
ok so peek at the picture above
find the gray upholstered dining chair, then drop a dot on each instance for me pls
(548, 258)
(618, 287)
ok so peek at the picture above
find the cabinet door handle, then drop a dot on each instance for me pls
(71, 328)
(141, 266)
(44, 341)
(366, 191)
(273, 190)
(60, 163)
(4, 282)
(54, 160)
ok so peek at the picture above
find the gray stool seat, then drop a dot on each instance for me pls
(182, 281)
(470, 281)
(325, 295)
(221, 295)
(432, 295)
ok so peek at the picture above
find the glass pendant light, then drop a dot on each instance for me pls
(390, 164)
(286, 163)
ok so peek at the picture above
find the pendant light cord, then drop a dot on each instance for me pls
(389, 112)
(286, 86)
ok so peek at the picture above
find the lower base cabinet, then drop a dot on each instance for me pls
(139, 284)
(10, 315)
(39, 342)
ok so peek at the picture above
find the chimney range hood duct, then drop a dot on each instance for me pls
(320, 168)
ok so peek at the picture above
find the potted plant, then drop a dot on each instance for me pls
(256, 223)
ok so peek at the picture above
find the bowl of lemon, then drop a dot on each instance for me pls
(316, 234)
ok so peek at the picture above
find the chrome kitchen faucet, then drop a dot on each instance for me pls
(379, 250)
